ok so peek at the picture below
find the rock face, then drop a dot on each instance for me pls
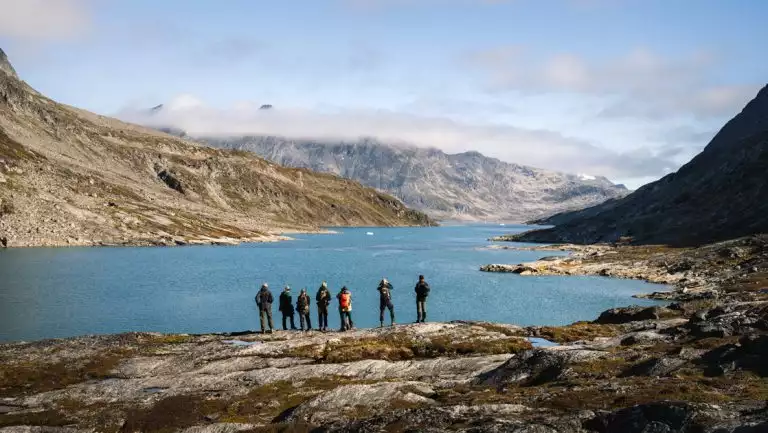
(5, 65)
(70, 177)
(721, 194)
(464, 186)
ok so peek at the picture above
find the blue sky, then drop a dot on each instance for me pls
(629, 89)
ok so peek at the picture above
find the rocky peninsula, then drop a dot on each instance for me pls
(696, 365)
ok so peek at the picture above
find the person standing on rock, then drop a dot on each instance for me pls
(323, 299)
(264, 300)
(422, 291)
(385, 302)
(345, 309)
(286, 307)
(302, 306)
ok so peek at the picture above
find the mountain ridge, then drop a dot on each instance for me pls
(447, 186)
(464, 186)
(71, 177)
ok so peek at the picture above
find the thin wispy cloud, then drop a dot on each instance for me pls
(44, 20)
(645, 83)
(540, 148)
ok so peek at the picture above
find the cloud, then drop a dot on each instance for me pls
(706, 102)
(44, 20)
(641, 82)
(539, 148)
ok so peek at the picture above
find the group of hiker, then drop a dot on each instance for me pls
(264, 300)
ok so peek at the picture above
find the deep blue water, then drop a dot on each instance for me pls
(61, 292)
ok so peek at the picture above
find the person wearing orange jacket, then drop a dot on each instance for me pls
(345, 309)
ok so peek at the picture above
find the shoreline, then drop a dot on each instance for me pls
(180, 240)
(646, 264)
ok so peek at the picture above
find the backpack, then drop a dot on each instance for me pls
(264, 297)
(345, 300)
(303, 301)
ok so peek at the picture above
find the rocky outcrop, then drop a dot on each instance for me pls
(693, 273)
(464, 186)
(630, 314)
(673, 417)
(5, 65)
(69, 177)
(721, 194)
(652, 375)
(537, 367)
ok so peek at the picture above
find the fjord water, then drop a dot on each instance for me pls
(62, 292)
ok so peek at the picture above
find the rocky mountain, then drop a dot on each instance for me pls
(5, 65)
(70, 177)
(720, 194)
(464, 186)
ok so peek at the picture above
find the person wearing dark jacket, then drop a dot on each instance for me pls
(422, 291)
(286, 307)
(385, 302)
(323, 299)
(264, 300)
(302, 306)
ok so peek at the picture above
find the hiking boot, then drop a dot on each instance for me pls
(392, 324)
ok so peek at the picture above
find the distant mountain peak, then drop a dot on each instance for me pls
(266, 107)
(5, 65)
(467, 186)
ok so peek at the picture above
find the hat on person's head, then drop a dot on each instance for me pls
(324, 284)
(265, 285)
(287, 288)
(421, 277)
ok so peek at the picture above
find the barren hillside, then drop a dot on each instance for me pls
(70, 177)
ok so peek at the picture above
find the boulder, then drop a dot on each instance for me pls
(678, 417)
(536, 367)
(723, 322)
(170, 180)
(629, 314)
(658, 417)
